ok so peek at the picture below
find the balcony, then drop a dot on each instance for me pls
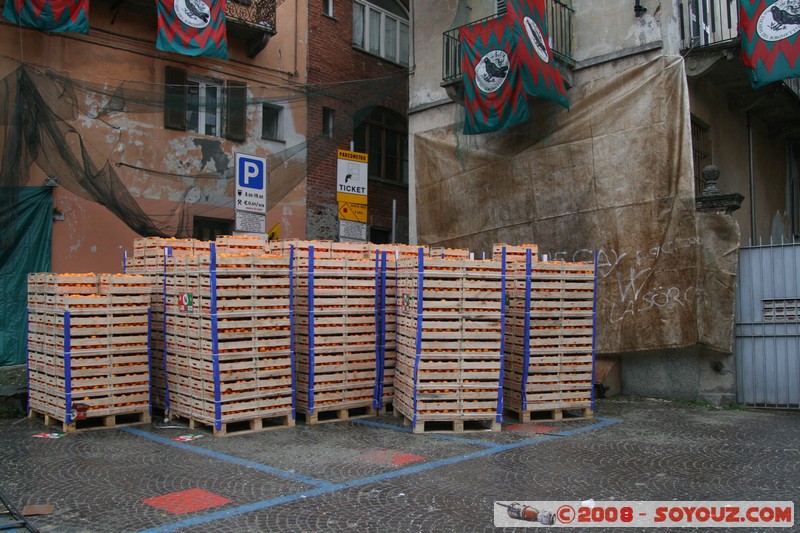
(710, 45)
(249, 21)
(252, 21)
(559, 21)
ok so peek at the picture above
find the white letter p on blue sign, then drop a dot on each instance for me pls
(251, 171)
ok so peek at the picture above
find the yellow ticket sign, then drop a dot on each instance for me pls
(353, 212)
(351, 177)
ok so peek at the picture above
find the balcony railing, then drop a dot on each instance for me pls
(708, 22)
(253, 21)
(559, 25)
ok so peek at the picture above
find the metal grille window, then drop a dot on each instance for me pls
(381, 28)
(501, 7)
(701, 152)
(781, 310)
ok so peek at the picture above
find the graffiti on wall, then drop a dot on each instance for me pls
(624, 278)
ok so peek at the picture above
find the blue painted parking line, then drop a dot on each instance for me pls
(236, 460)
(257, 506)
(405, 429)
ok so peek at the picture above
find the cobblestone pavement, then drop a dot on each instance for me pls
(372, 474)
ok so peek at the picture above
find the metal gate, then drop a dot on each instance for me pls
(768, 326)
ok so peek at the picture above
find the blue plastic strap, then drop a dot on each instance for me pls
(212, 276)
(310, 330)
(27, 360)
(376, 392)
(167, 254)
(150, 360)
(291, 332)
(67, 367)
(500, 405)
(125, 261)
(594, 325)
(381, 383)
(526, 350)
(418, 348)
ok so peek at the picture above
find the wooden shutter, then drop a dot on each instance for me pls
(175, 99)
(235, 111)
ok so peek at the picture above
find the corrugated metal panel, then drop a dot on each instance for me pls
(768, 326)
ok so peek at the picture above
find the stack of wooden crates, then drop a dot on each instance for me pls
(88, 349)
(549, 346)
(228, 339)
(450, 335)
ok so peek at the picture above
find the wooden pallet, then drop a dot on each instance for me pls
(239, 427)
(550, 415)
(458, 425)
(323, 414)
(92, 422)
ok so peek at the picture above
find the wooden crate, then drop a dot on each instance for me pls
(515, 253)
(549, 347)
(449, 341)
(336, 336)
(241, 318)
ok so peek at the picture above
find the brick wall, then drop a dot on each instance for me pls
(346, 80)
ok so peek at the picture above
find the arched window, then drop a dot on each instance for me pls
(383, 135)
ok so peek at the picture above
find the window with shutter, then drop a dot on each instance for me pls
(193, 103)
(175, 99)
(236, 111)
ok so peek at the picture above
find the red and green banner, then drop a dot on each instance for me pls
(49, 15)
(192, 27)
(493, 94)
(769, 39)
(502, 61)
(540, 77)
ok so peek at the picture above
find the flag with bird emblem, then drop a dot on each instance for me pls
(493, 94)
(769, 39)
(192, 27)
(502, 61)
(49, 15)
(540, 77)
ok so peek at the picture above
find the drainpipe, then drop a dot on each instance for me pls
(752, 180)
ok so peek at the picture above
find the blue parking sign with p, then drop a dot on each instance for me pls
(251, 171)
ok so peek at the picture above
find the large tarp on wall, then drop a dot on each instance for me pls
(613, 176)
(26, 227)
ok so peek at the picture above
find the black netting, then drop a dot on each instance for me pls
(39, 110)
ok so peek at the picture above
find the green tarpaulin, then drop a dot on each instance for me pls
(26, 227)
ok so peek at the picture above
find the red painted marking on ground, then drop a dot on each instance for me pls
(390, 457)
(186, 501)
(531, 428)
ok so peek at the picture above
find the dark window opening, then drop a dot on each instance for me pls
(380, 235)
(701, 153)
(383, 136)
(208, 229)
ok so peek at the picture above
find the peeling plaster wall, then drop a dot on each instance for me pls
(164, 169)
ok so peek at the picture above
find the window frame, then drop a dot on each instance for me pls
(203, 85)
(328, 121)
(327, 8)
(278, 111)
(363, 40)
(368, 125)
(701, 151)
(232, 104)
